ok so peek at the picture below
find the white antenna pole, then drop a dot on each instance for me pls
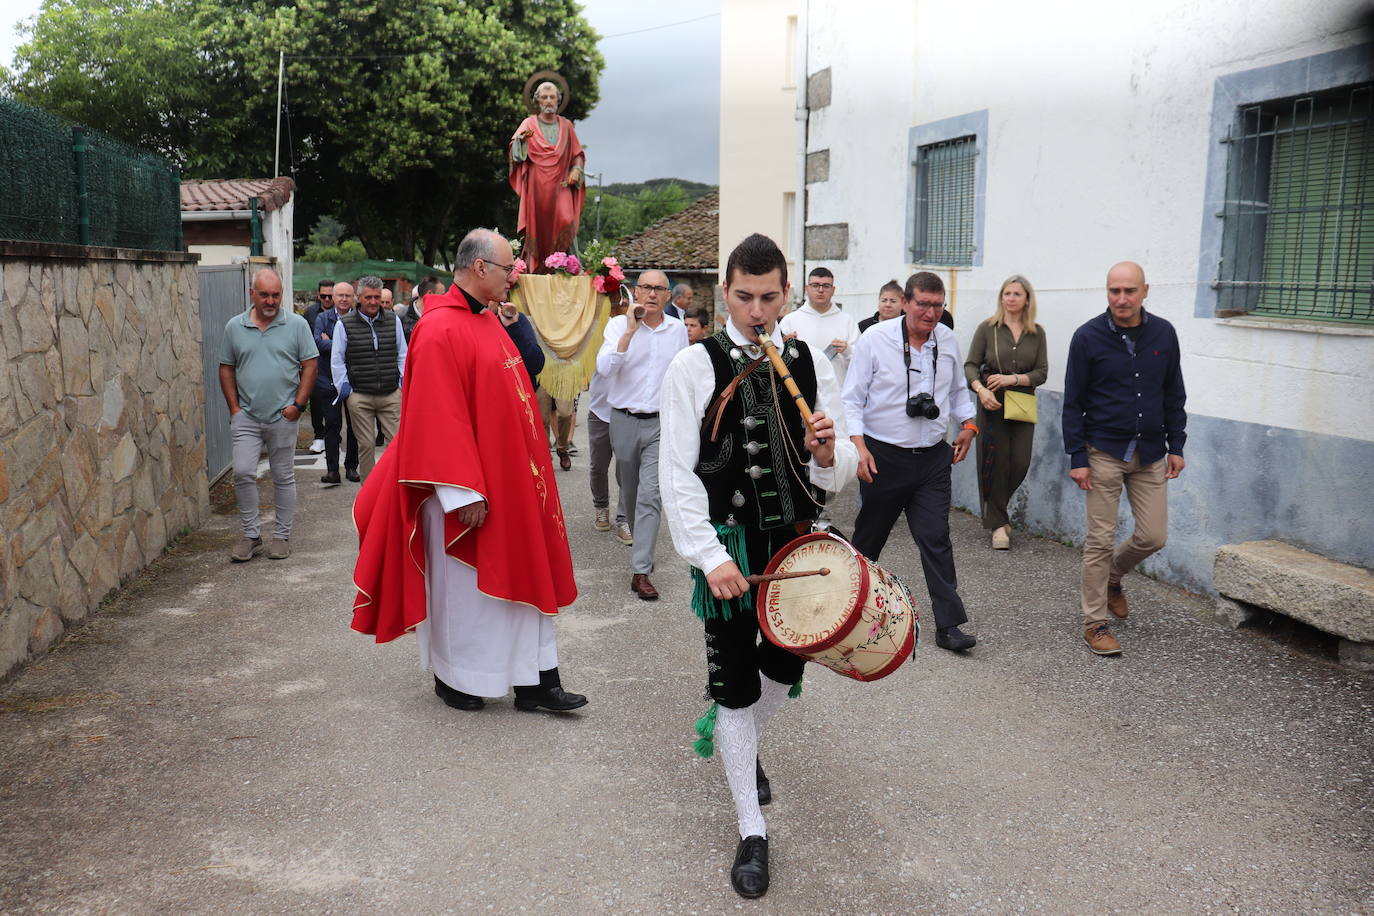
(281, 76)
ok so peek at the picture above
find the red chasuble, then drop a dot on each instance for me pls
(470, 419)
(549, 209)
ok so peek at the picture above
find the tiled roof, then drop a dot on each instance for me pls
(687, 240)
(233, 193)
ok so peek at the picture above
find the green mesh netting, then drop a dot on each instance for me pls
(133, 197)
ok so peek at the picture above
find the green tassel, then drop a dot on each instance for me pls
(706, 605)
(705, 746)
(795, 691)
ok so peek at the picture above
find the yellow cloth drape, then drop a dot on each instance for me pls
(569, 317)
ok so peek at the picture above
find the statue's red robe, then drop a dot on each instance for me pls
(549, 209)
(469, 418)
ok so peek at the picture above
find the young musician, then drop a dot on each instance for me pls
(738, 469)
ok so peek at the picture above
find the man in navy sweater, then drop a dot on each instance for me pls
(1123, 425)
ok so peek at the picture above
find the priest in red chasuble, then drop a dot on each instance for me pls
(546, 171)
(461, 534)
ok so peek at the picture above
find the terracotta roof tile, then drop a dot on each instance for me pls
(233, 193)
(687, 240)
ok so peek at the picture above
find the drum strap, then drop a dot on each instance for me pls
(706, 605)
(728, 392)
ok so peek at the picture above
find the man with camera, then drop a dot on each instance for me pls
(904, 387)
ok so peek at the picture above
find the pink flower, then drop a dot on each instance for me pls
(572, 265)
(599, 284)
(618, 274)
(610, 262)
(519, 266)
(556, 260)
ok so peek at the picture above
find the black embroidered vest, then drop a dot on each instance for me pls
(372, 371)
(755, 471)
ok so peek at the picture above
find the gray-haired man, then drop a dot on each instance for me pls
(368, 373)
(266, 371)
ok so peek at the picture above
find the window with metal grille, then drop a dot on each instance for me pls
(1298, 220)
(946, 180)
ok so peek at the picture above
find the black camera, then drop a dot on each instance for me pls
(922, 405)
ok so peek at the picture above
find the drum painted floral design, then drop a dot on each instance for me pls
(859, 620)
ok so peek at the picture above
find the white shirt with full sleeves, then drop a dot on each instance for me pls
(687, 387)
(875, 391)
(818, 329)
(635, 377)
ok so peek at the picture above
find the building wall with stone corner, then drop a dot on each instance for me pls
(1100, 136)
(102, 453)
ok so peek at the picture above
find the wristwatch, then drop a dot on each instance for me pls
(300, 408)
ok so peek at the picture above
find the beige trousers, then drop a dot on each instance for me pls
(368, 413)
(1104, 561)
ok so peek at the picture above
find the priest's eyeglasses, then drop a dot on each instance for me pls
(505, 267)
(651, 289)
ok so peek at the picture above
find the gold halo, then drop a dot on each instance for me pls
(551, 76)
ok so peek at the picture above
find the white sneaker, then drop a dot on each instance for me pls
(622, 531)
(317, 446)
(603, 520)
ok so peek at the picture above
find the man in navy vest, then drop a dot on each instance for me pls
(368, 362)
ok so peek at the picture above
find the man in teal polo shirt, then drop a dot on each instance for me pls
(266, 371)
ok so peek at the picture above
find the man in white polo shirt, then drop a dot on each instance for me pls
(634, 356)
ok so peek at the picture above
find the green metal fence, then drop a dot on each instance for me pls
(60, 182)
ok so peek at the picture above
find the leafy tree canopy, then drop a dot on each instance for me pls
(398, 111)
(630, 208)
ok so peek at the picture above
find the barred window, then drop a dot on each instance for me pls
(1298, 219)
(946, 179)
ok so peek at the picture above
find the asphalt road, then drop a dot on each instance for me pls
(217, 740)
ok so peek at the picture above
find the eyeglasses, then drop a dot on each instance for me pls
(506, 267)
(927, 306)
(822, 287)
(651, 289)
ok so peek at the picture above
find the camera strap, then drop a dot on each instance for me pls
(906, 358)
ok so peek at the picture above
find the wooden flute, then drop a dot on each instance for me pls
(774, 357)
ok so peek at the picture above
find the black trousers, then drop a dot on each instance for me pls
(335, 423)
(917, 483)
(319, 403)
(736, 653)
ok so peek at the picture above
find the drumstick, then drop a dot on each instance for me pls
(774, 577)
(774, 357)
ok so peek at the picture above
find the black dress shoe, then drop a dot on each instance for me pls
(555, 699)
(456, 698)
(352, 474)
(330, 480)
(765, 790)
(749, 876)
(954, 639)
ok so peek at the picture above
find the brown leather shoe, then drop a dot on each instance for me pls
(1116, 602)
(1101, 641)
(641, 586)
(564, 461)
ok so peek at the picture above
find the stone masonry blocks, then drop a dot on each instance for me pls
(1333, 597)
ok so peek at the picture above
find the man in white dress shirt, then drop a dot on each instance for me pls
(824, 326)
(739, 486)
(634, 355)
(905, 387)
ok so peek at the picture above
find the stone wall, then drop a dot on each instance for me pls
(102, 454)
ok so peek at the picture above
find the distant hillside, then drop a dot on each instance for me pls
(691, 190)
(627, 208)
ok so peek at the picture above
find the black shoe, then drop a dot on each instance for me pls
(352, 474)
(953, 639)
(456, 698)
(765, 790)
(749, 876)
(330, 480)
(555, 699)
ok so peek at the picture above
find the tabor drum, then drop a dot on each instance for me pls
(858, 620)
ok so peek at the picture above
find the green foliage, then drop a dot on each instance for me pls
(407, 148)
(327, 231)
(345, 252)
(630, 208)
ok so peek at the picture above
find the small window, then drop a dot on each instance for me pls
(946, 185)
(1298, 219)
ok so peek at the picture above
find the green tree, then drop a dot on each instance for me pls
(399, 110)
(623, 215)
(345, 252)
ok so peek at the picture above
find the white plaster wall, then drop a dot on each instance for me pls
(219, 254)
(278, 238)
(758, 127)
(1098, 136)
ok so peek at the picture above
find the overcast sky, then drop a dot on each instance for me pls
(659, 114)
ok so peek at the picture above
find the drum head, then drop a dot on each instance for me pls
(814, 612)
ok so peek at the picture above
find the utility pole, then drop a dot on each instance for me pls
(281, 78)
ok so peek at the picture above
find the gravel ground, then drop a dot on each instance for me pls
(216, 739)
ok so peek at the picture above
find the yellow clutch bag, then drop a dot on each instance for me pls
(1019, 406)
